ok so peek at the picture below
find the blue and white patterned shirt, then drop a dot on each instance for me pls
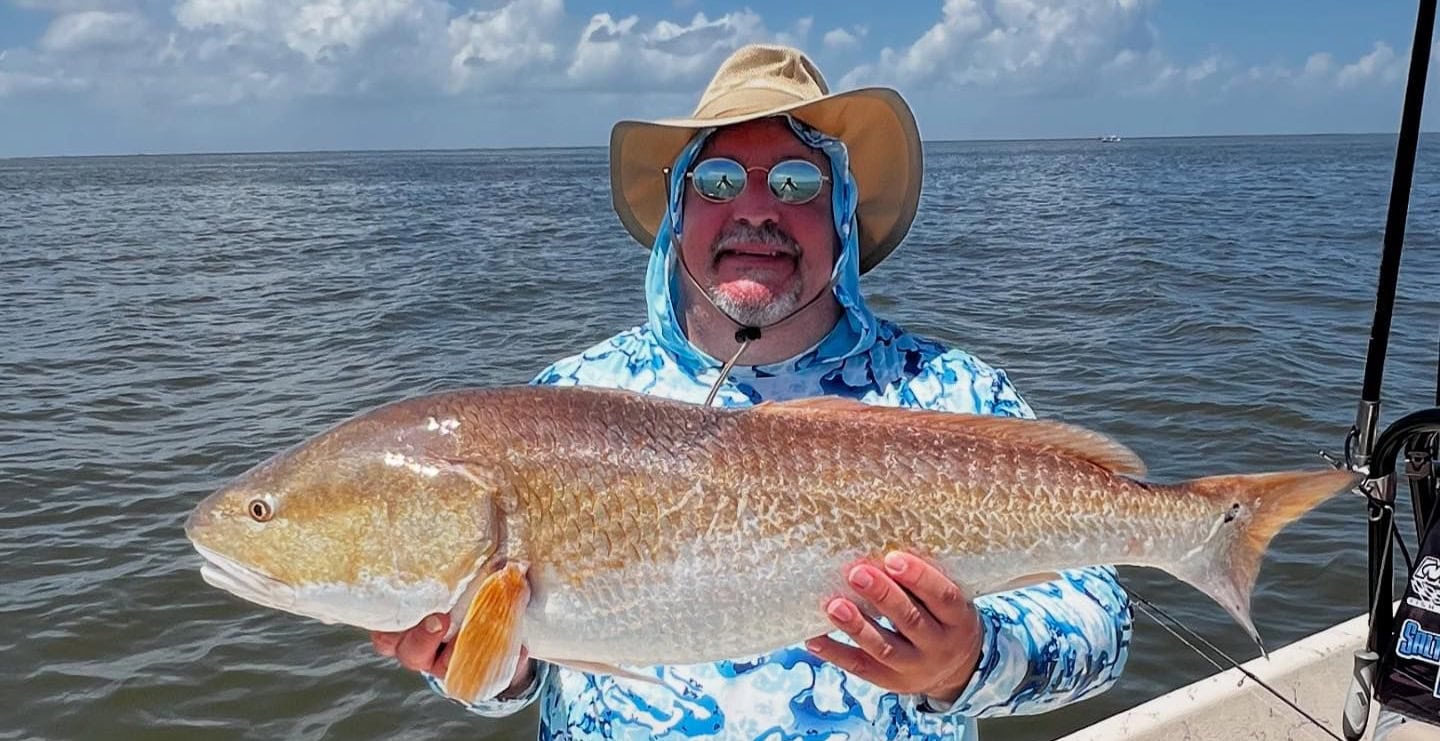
(1043, 646)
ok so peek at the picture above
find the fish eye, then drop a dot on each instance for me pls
(261, 510)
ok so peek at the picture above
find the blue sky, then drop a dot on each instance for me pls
(125, 76)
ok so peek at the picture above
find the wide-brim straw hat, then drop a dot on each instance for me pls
(758, 81)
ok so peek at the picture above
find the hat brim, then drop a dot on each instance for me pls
(875, 123)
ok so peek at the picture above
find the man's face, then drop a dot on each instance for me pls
(756, 257)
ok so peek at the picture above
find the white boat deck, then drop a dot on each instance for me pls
(1313, 672)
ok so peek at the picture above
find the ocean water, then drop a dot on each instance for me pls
(166, 322)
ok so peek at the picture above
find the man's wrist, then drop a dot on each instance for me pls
(948, 693)
(943, 699)
(948, 699)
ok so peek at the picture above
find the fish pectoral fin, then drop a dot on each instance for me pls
(1064, 438)
(487, 648)
(596, 667)
(1020, 582)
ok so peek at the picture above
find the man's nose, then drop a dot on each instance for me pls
(755, 205)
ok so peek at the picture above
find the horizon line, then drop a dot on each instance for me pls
(923, 141)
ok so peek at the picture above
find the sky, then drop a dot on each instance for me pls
(163, 76)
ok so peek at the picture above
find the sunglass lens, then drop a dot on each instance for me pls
(719, 179)
(795, 181)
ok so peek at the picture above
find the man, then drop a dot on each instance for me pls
(761, 212)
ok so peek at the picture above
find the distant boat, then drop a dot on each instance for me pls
(1110, 138)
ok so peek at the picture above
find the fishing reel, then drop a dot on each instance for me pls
(1416, 435)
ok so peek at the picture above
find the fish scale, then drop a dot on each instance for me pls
(647, 531)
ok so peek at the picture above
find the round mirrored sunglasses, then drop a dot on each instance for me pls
(794, 181)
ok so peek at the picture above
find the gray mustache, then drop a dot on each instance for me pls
(768, 235)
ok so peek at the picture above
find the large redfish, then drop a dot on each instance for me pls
(600, 527)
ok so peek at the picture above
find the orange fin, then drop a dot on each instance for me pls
(595, 667)
(487, 648)
(1066, 439)
(1259, 506)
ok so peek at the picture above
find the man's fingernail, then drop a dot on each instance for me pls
(895, 563)
(814, 647)
(432, 624)
(840, 610)
(861, 578)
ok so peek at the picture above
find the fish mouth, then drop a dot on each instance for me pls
(375, 604)
(225, 573)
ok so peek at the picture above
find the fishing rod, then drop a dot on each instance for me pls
(1364, 451)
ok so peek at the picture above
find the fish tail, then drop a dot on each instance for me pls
(1259, 506)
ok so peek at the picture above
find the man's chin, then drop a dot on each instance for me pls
(752, 293)
(754, 304)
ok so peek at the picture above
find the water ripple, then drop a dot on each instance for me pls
(170, 320)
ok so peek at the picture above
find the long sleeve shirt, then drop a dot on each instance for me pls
(1042, 646)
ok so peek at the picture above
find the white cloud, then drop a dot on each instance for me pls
(799, 36)
(93, 30)
(701, 36)
(1202, 71)
(619, 55)
(505, 47)
(220, 52)
(1052, 48)
(1319, 64)
(1152, 74)
(20, 73)
(72, 6)
(216, 52)
(223, 52)
(1380, 65)
(288, 35)
(1018, 45)
(837, 39)
(1321, 74)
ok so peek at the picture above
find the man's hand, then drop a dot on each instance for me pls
(420, 649)
(935, 646)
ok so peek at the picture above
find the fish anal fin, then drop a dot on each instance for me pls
(596, 667)
(1022, 581)
(1063, 438)
(487, 647)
